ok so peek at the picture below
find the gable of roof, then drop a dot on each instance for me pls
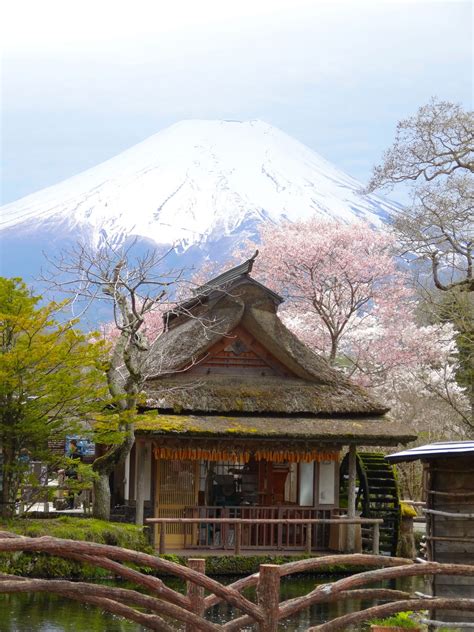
(239, 354)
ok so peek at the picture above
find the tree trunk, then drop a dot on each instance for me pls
(104, 466)
(333, 352)
(7, 507)
(351, 499)
(101, 506)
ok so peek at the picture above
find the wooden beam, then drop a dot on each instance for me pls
(351, 498)
(449, 514)
(237, 537)
(251, 521)
(140, 497)
(309, 538)
(376, 539)
(162, 545)
(126, 478)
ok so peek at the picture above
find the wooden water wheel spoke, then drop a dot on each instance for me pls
(377, 497)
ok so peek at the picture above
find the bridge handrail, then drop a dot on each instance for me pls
(266, 613)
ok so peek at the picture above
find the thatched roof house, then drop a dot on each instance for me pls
(226, 356)
(229, 383)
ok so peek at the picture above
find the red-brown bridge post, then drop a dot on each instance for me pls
(195, 593)
(268, 592)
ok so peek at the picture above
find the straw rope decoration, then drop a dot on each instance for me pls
(243, 456)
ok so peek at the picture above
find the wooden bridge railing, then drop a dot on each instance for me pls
(238, 523)
(154, 611)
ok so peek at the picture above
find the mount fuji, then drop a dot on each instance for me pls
(199, 186)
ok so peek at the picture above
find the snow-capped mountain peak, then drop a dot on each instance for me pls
(194, 183)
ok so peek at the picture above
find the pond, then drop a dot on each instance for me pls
(48, 613)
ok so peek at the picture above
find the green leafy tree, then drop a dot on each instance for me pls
(50, 379)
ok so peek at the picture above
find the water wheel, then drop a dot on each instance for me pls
(377, 497)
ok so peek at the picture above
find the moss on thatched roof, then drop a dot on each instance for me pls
(217, 394)
(315, 431)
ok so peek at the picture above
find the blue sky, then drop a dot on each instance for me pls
(84, 81)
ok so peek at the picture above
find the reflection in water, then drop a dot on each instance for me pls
(48, 613)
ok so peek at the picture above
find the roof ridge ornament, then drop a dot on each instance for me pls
(243, 269)
(218, 286)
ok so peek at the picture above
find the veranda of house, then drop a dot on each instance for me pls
(242, 420)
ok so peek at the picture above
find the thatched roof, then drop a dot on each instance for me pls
(180, 347)
(269, 395)
(315, 387)
(307, 431)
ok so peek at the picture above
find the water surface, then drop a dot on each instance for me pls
(50, 613)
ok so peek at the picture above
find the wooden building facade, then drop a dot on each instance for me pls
(241, 419)
(448, 475)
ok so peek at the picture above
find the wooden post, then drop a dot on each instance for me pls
(162, 547)
(237, 537)
(309, 537)
(351, 498)
(280, 530)
(126, 479)
(376, 540)
(268, 592)
(86, 503)
(140, 497)
(195, 593)
(46, 498)
(224, 529)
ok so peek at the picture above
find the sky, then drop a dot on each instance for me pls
(82, 81)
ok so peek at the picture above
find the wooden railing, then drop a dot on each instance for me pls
(258, 535)
(154, 611)
(232, 529)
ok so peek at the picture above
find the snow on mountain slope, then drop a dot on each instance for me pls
(194, 183)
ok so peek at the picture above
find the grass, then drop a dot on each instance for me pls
(124, 535)
(86, 529)
(399, 620)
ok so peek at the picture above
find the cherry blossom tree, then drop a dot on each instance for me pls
(348, 300)
(333, 275)
(433, 153)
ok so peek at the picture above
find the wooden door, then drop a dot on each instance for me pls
(177, 484)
